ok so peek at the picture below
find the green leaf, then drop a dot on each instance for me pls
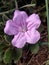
(1, 56)
(8, 56)
(8, 38)
(43, 43)
(34, 48)
(2, 46)
(17, 53)
(12, 54)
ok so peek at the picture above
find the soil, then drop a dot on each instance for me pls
(35, 59)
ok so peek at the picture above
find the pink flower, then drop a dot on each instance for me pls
(24, 28)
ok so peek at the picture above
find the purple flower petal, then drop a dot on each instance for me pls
(32, 36)
(19, 40)
(20, 18)
(16, 13)
(17, 24)
(10, 28)
(33, 21)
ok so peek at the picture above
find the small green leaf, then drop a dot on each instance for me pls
(43, 43)
(1, 56)
(2, 46)
(34, 48)
(7, 56)
(17, 54)
(8, 38)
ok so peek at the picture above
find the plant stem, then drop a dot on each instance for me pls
(47, 13)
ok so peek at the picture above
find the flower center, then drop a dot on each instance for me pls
(23, 29)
